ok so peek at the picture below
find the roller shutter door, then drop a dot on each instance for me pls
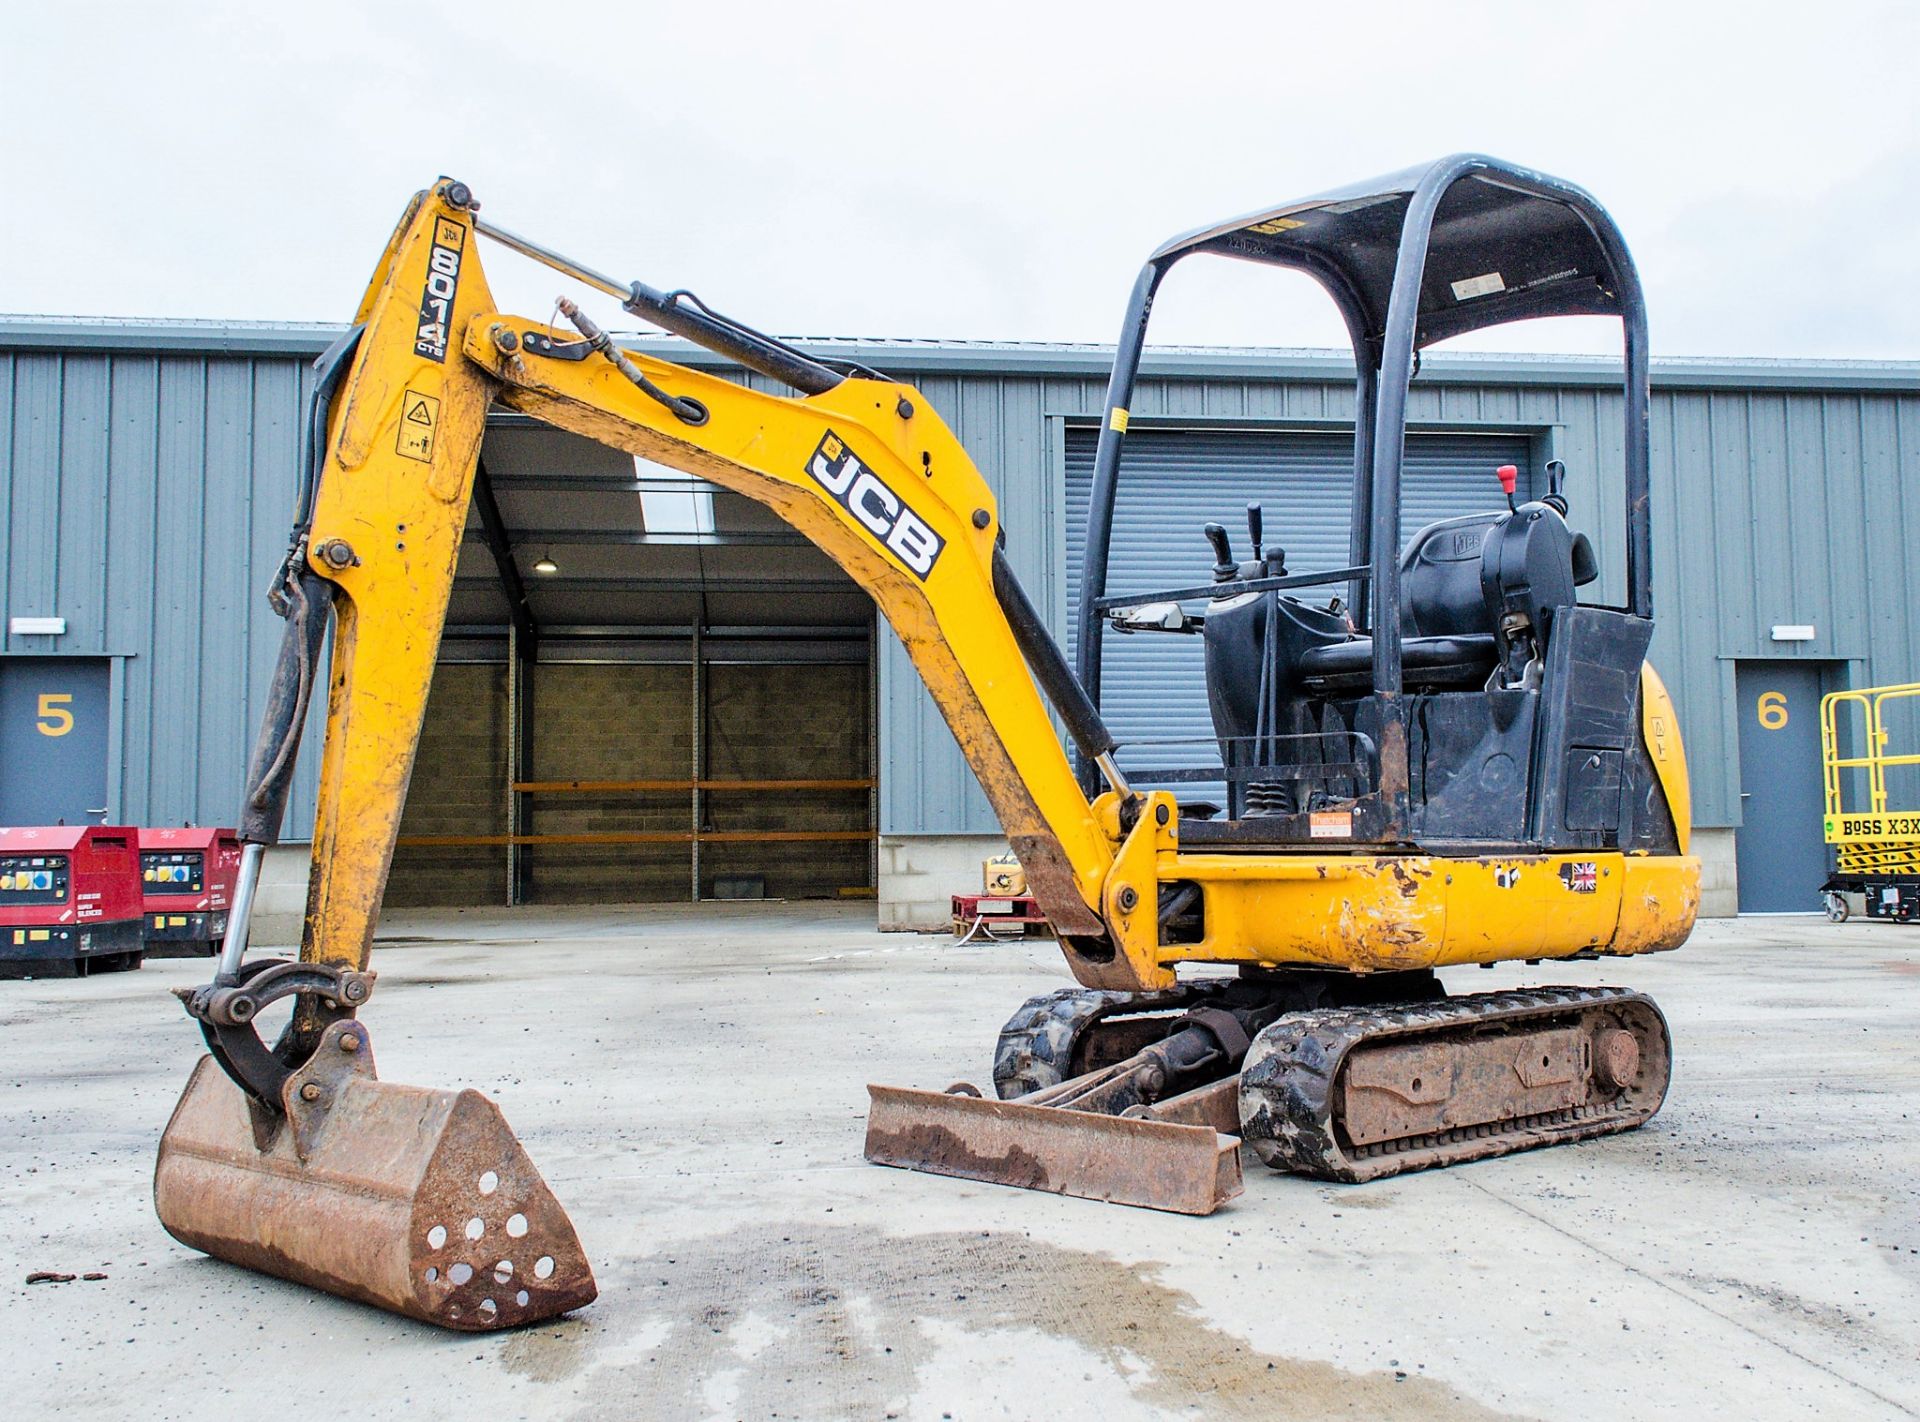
(1174, 481)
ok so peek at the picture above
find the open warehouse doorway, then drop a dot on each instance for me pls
(650, 689)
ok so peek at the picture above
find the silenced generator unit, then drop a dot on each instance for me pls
(186, 880)
(69, 901)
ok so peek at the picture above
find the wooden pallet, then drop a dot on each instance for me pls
(989, 915)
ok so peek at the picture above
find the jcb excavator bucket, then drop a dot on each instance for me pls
(1139, 1159)
(416, 1200)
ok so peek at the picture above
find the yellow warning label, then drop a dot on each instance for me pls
(448, 234)
(1276, 226)
(178, 920)
(419, 422)
(39, 935)
(1117, 419)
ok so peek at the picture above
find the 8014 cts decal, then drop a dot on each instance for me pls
(443, 282)
(866, 496)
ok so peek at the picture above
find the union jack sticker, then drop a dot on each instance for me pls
(1581, 876)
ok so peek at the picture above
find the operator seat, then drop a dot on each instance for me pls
(1446, 634)
(1476, 592)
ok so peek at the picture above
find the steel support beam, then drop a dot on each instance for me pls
(493, 529)
(639, 538)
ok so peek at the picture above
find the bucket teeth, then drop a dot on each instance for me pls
(416, 1200)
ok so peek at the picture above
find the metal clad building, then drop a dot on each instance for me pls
(147, 472)
(147, 477)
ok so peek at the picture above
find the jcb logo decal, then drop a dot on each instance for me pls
(443, 282)
(861, 493)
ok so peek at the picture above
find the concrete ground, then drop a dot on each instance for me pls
(691, 1084)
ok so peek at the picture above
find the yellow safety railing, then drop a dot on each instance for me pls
(1876, 819)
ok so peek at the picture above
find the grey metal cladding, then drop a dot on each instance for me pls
(146, 470)
(1175, 480)
(1772, 504)
(148, 497)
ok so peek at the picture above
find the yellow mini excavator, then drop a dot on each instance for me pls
(1435, 754)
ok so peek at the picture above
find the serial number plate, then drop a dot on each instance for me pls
(1873, 827)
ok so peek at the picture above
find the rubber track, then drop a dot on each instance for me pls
(1286, 1085)
(1035, 1049)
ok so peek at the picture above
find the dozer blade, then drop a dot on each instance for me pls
(416, 1200)
(1186, 1169)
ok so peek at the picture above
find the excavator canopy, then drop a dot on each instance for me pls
(1506, 245)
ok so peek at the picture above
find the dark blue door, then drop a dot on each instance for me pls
(1780, 847)
(53, 740)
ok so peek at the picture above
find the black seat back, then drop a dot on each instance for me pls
(1440, 591)
(1527, 568)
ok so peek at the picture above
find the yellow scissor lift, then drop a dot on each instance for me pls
(1875, 833)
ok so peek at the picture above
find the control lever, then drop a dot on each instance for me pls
(1225, 570)
(1556, 480)
(1254, 529)
(1508, 477)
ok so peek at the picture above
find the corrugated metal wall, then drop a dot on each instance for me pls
(148, 497)
(148, 478)
(1771, 505)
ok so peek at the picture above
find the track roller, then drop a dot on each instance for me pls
(1357, 1094)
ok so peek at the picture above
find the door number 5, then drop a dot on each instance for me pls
(1773, 710)
(55, 718)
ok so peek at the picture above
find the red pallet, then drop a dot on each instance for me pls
(975, 914)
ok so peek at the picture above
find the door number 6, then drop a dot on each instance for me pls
(55, 718)
(1773, 709)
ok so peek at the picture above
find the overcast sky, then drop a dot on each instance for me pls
(980, 170)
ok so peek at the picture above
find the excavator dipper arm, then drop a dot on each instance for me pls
(866, 469)
(274, 1153)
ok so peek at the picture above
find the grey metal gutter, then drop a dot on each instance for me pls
(70, 333)
(989, 358)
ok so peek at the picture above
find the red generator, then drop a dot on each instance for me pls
(186, 881)
(69, 901)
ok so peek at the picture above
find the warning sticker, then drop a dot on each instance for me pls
(419, 422)
(1330, 824)
(1485, 285)
(1276, 226)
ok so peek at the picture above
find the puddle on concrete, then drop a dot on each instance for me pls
(834, 1323)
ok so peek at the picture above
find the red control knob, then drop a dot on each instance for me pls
(1508, 477)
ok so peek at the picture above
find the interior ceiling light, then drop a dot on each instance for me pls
(545, 564)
